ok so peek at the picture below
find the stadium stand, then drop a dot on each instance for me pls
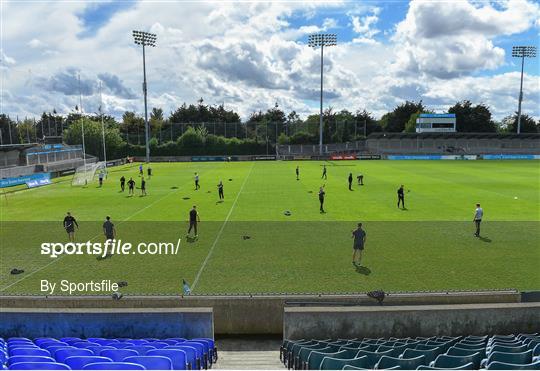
(19, 353)
(495, 352)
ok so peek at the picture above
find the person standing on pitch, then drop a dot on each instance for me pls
(122, 183)
(478, 214)
(220, 190)
(401, 197)
(140, 170)
(197, 186)
(350, 181)
(297, 172)
(131, 186)
(359, 236)
(108, 229)
(143, 187)
(193, 220)
(100, 177)
(321, 198)
(324, 172)
(69, 226)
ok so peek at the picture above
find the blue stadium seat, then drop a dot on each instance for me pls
(192, 358)
(177, 357)
(386, 363)
(78, 362)
(85, 344)
(151, 362)
(18, 359)
(211, 346)
(508, 349)
(511, 366)
(202, 351)
(137, 342)
(158, 344)
(178, 340)
(39, 366)
(141, 349)
(98, 349)
(29, 352)
(118, 355)
(61, 354)
(113, 366)
(40, 341)
(50, 343)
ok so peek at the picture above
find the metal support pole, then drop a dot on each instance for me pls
(321, 108)
(520, 96)
(145, 107)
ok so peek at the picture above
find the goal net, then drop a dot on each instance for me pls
(85, 174)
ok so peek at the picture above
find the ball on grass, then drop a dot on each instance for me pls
(515, 197)
(287, 213)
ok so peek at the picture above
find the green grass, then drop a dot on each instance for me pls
(430, 246)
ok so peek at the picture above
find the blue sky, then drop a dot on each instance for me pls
(250, 55)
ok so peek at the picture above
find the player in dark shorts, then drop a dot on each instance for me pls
(220, 190)
(149, 171)
(69, 225)
(131, 186)
(324, 172)
(401, 197)
(350, 181)
(359, 236)
(321, 198)
(100, 177)
(122, 183)
(108, 229)
(193, 220)
(197, 186)
(143, 187)
(297, 173)
(360, 179)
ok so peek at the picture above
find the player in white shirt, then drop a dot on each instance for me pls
(478, 214)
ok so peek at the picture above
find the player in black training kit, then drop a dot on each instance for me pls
(220, 190)
(401, 197)
(298, 173)
(131, 186)
(321, 198)
(122, 183)
(69, 226)
(324, 172)
(193, 220)
(143, 187)
(350, 181)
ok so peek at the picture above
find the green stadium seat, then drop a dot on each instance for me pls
(404, 363)
(304, 354)
(331, 363)
(508, 349)
(446, 361)
(511, 366)
(468, 366)
(348, 367)
(372, 357)
(430, 354)
(298, 359)
(516, 358)
(316, 357)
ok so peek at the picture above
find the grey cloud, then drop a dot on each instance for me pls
(67, 83)
(241, 62)
(116, 86)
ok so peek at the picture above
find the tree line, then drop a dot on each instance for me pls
(201, 128)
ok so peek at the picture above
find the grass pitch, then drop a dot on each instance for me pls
(428, 246)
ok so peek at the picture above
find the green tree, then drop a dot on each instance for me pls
(396, 120)
(93, 139)
(472, 119)
(527, 125)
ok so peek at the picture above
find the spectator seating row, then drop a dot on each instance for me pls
(496, 352)
(71, 353)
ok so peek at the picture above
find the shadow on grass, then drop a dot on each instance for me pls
(191, 239)
(485, 239)
(363, 270)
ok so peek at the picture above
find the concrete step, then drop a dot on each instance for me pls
(248, 360)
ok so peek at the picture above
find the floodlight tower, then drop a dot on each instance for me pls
(314, 41)
(522, 52)
(145, 39)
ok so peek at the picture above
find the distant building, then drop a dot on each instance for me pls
(436, 122)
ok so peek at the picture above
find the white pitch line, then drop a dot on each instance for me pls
(220, 231)
(56, 260)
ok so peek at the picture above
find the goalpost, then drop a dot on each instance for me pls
(85, 174)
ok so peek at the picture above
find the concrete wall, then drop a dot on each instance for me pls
(109, 323)
(405, 321)
(255, 314)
